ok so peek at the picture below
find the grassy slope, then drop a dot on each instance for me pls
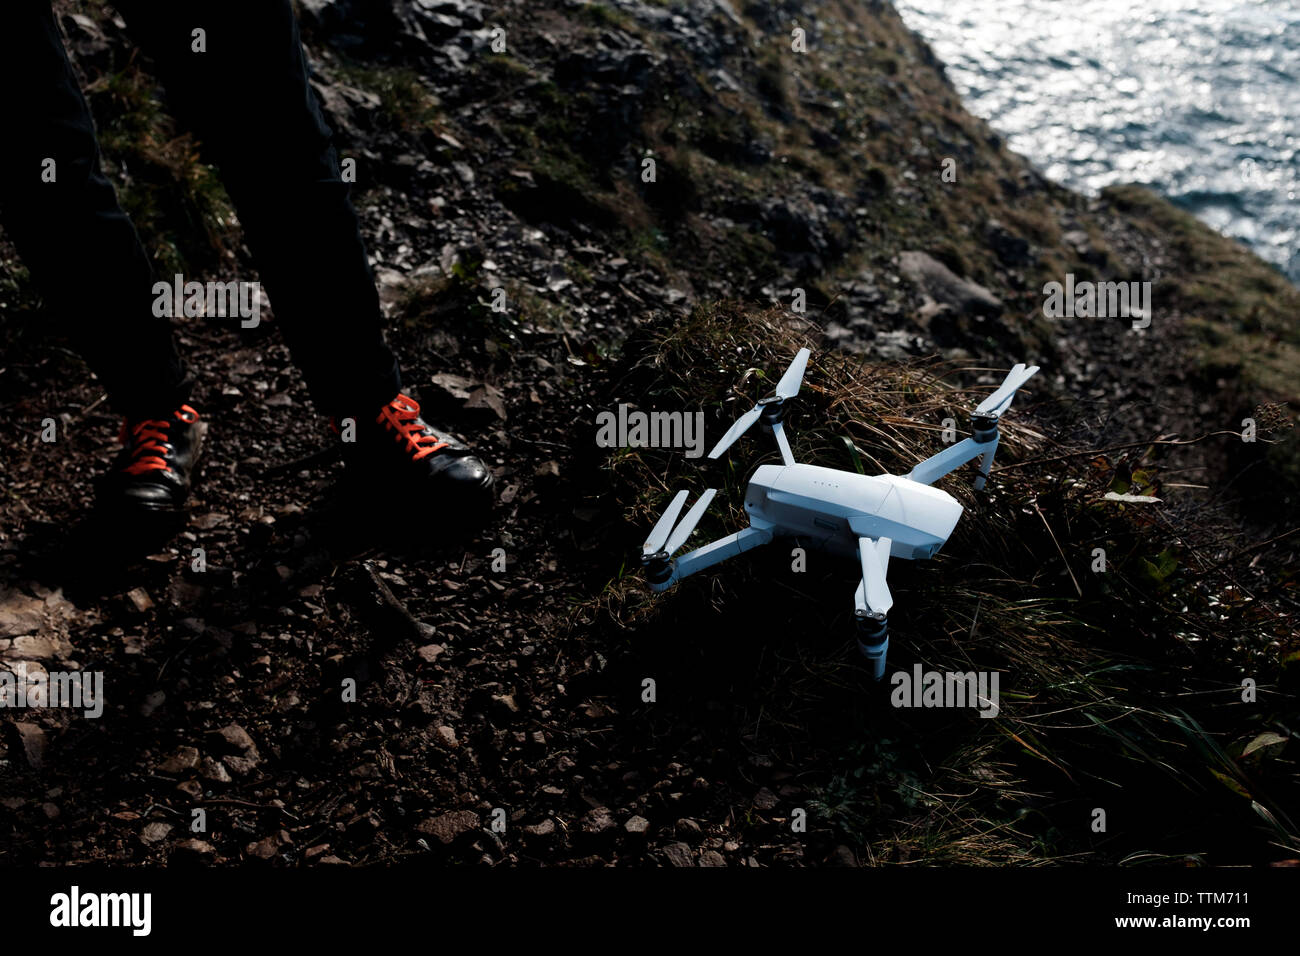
(1118, 687)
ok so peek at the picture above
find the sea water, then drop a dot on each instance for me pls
(1200, 99)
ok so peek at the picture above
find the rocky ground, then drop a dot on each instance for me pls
(492, 720)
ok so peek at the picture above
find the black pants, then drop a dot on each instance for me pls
(247, 101)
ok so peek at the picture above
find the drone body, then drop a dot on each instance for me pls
(832, 509)
(866, 517)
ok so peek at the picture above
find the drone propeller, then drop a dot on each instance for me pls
(873, 593)
(1000, 401)
(788, 387)
(664, 525)
(983, 443)
(683, 530)
(662, 544)
(735, 431)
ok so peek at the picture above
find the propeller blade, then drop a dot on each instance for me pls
(683, 530)
(883, 546)
(739, 428)
(878, 598)
(999, 401)
(788, 387)
(664, 525)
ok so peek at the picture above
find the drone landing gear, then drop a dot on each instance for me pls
(872, 603)
(873, 642)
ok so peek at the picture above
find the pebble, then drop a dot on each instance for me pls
(155, 832)
(185, 758)
(140, 599)
(543, 829)
(679, 854)
(215, 770)
(447, 827)
(597, 821)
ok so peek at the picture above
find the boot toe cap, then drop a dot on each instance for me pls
(149, 497)
(465, 475)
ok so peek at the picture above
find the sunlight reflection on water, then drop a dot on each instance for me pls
(1198, 98)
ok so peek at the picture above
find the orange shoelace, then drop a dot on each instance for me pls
(149, 438)
(401, 416)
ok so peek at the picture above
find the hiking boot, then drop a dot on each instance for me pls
(152, 473)
(398, 445)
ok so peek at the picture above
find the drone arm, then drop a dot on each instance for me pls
(936, 466)
(778, 432)
(984, 443)
(718, 551)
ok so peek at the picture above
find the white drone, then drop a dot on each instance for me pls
(869, 517)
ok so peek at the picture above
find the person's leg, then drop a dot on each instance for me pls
(62, 215)
(235, 72)
(246, 96)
